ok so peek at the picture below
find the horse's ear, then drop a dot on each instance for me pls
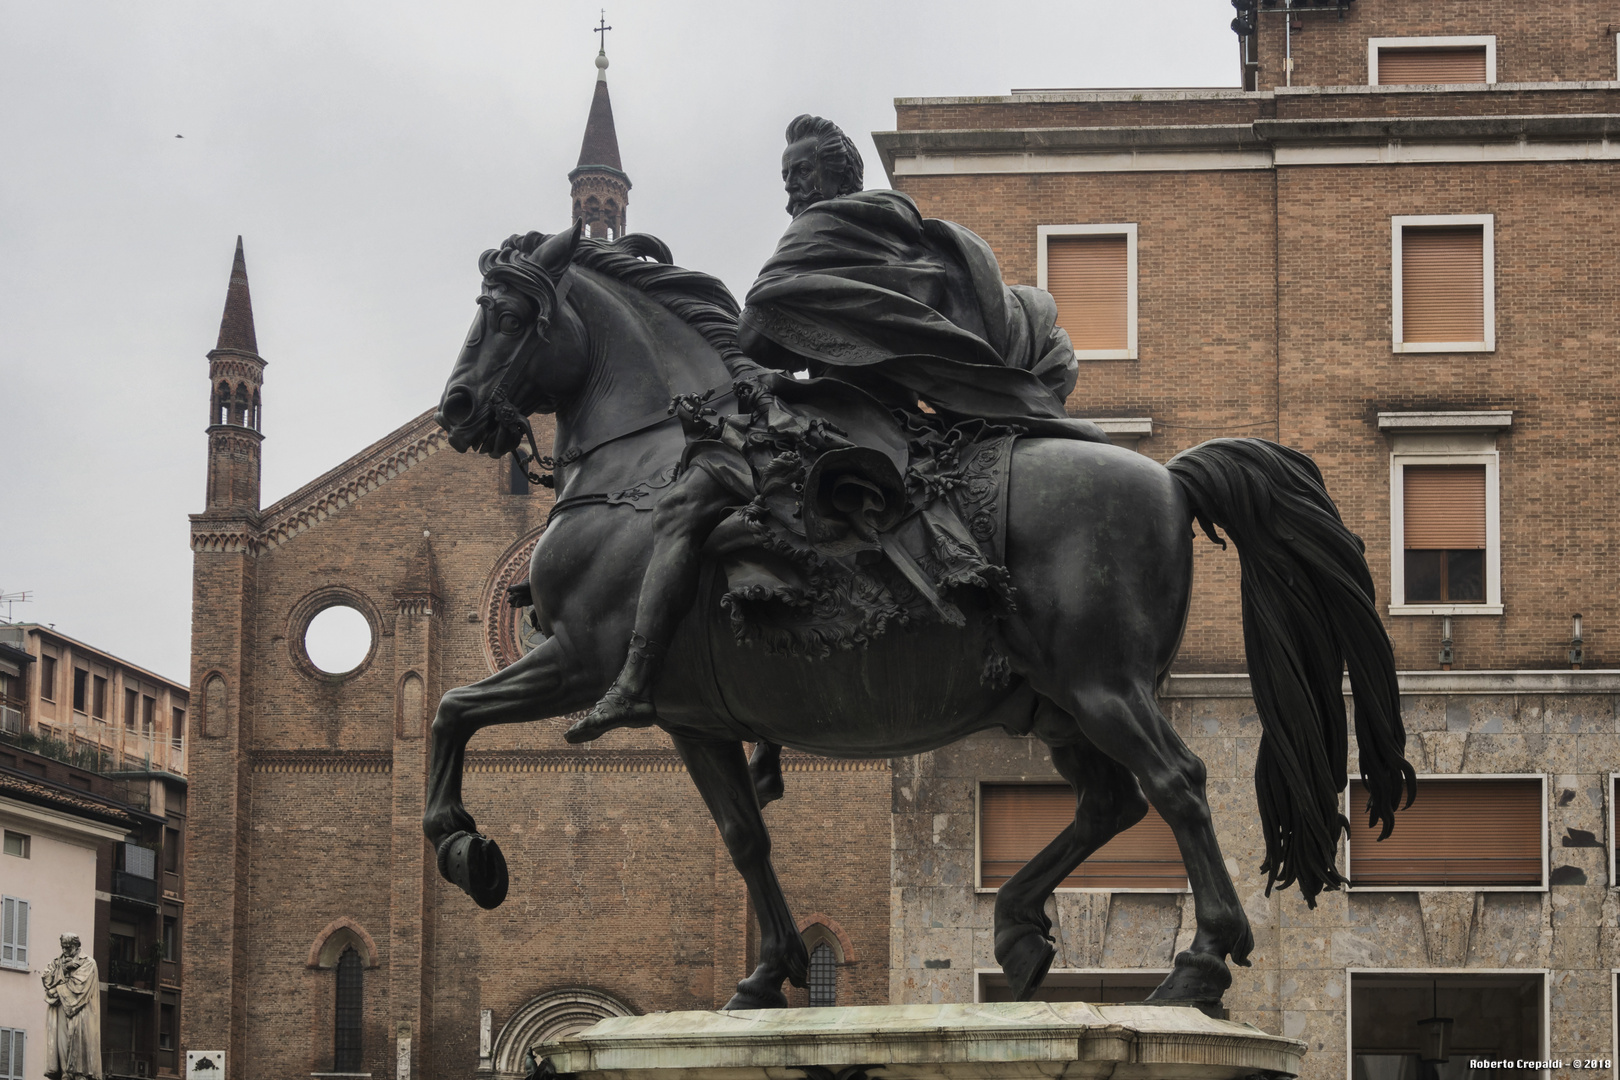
(556, 253)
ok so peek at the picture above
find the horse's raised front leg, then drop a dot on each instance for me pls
(1107, 802)
(722, 778)
(1128, 726)
(541, 684)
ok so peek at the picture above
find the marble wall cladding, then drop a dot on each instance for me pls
(943, 927)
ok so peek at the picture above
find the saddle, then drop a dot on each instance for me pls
(833, 554)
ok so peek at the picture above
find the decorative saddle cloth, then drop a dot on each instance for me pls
(837, 545)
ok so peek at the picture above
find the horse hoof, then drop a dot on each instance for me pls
(474, 864)
(1026, 963)
(746, 998)
(768, 787)
(1198, 980)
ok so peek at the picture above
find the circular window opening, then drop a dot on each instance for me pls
(338, 639)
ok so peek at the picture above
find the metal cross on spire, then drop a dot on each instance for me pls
(602, 28)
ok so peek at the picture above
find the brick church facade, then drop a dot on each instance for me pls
(320, 936)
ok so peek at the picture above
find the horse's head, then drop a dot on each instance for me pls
(525, 350)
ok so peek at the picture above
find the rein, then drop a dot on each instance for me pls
(636, 427)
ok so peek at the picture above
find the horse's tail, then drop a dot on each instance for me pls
(1308, 610)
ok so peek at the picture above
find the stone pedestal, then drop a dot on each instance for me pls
(999, 1041)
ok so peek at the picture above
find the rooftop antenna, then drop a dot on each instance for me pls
(10, 598)
(601, 30)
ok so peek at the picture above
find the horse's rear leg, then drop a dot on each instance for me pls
(540, 684)
(1107, 802)
(722, 778)
(1128, 726)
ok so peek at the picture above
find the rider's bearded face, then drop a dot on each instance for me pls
(803, 177)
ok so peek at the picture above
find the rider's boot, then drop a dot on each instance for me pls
(628, 702)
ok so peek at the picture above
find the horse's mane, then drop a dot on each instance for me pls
(641, 261)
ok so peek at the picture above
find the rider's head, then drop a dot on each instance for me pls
(820, 162)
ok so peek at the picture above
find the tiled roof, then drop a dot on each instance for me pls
(21, 786)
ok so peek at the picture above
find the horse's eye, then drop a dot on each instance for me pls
(510, 323)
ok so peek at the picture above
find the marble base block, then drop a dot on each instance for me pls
(995, 1041)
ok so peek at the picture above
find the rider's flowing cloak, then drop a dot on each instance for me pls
(887, 310)
(864, 286)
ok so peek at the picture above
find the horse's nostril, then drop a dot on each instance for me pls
(457, 406)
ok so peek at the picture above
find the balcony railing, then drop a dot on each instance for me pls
(99, 747)
(127, 1063)
(11, 717)
(132, 972)
(135, 887)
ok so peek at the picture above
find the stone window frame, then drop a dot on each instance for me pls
(1126, 229)
(980, 973)
(1610, 807)
(1398, 224)
(1614, 1003)
(1431, 777)
(1444, 972)
(1445, 438)
(1454, 41)
(980, 889)
(312, 604)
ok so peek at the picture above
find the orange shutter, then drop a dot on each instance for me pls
(1443, 284)
(1398, 67)
(1088, 277)
(1458, 832)
(1444, 506)
(1017, 820)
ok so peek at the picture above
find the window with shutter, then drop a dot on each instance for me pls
(12, 1043)
(1444, 533)
(1442, 61)
(1090, 270)
(1460, 832)
(1017, 820)
(1397, 67)
(1445, 295)
(13, 933)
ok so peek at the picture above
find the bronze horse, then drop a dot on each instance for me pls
(1099, 549)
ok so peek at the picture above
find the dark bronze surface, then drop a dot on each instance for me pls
(886, 310)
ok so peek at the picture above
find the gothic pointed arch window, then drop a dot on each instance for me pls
(255, 423)
(222, 404)
(348, 1015)
(823, 976)
(338, 959)
(830, 950)
(239, 414)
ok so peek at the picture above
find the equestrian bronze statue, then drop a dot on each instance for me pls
(854, 519)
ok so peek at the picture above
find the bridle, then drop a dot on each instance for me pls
(505, 414)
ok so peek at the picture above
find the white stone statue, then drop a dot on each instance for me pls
(72, 1015)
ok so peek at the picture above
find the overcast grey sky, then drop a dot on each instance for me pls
(367, 153)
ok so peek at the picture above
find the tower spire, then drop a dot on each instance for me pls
(235, 378)
(236, 325)
(601, 190)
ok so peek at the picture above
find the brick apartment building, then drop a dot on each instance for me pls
(93, 808)
(321, 938)
(1400, 254)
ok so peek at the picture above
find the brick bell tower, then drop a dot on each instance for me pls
(601, 189)
(235, 373)
(224, 540)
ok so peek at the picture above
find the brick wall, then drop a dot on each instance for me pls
(1535, 42)
(619, 879)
